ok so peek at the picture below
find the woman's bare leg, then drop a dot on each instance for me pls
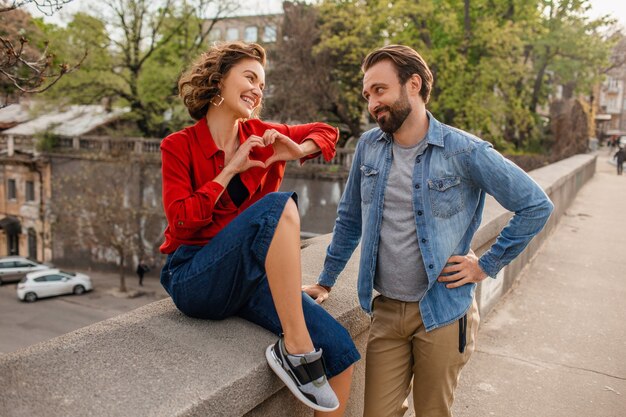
(341, 385)
(284, 273)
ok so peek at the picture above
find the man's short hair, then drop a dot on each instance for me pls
(407, 62)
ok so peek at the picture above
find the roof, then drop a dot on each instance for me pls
(13, 114)
(75, 121)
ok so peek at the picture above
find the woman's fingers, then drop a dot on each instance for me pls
(269, 137)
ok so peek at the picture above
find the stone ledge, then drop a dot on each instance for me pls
(154, 361)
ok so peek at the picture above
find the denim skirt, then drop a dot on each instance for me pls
(226, 278)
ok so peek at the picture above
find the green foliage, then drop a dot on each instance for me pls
(46, 141)
(495, 69)
(135, 56)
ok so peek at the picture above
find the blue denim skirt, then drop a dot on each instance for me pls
(226, 278)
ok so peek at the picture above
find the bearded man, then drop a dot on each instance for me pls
(414, 199)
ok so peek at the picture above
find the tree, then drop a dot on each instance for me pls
(318, 60)
(97, 207)
(496, 63)
(45, 6)
(142, 47)
(24, 68)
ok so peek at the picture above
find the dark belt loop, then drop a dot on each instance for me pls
(462, 333)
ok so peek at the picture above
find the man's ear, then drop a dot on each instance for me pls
(415, 84)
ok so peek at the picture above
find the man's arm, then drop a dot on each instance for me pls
(346, 233)
(516, 192)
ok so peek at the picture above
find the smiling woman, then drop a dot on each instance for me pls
(233, 241)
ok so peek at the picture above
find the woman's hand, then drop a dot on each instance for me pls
(285, 149)
(241, 161)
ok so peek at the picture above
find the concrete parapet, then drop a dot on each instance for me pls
(154, 361)
(561, 181)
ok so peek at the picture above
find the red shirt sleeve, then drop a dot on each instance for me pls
(186, 209)
(325, 136)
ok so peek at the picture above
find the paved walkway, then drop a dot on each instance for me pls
(556, 344)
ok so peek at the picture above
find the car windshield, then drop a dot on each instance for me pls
(73, 274)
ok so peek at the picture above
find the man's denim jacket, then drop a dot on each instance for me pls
(450, 181)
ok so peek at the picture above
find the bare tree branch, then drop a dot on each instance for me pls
(47, 7)
(40, 69)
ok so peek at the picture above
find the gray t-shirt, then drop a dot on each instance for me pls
(400, 272)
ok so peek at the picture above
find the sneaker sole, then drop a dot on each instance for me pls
(276, 366)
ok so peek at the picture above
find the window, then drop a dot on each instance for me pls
(215, 35)
(30, 191)
(11, 190)
(269, 33)
(232, 34)
(50, 278)
(7, 264)
(251, 34)
(40, 279)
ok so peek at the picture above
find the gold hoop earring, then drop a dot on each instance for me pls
(219, 103)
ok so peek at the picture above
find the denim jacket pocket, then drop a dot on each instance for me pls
(369, 176)
(446, 197)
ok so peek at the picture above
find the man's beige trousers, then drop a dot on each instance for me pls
(399, 349)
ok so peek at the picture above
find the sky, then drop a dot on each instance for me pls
(616, 8)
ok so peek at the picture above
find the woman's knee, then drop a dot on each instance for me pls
(290, 214)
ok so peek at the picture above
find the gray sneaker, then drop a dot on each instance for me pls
(304, 375)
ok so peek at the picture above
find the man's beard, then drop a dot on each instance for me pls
(396, 114)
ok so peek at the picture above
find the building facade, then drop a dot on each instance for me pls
(24, 205)
(612, 94)
(262, 29)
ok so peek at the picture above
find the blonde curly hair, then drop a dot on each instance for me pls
(200, 83)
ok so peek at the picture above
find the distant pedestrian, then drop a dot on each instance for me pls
(142, 268)
(620, 155)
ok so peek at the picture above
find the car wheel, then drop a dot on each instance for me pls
(79, 289)
(30, 297)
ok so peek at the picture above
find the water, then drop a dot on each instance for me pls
(317, 203)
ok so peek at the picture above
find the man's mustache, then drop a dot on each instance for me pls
(381, 109)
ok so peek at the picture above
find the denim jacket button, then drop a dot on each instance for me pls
(431, 266)
(419, 212)
(423, 240)
(417, 186)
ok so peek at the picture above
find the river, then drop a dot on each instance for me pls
(317, 203)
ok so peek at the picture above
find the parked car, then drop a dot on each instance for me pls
(14, 268)
(51, 282)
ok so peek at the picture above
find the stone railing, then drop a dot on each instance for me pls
(155, 361)
(85, 144)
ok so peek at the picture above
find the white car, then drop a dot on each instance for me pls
(52, 282)
(14, 268)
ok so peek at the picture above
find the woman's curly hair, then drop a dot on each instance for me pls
(200, 83)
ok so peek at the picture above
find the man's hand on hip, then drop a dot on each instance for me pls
(464, 270)
(316, 292)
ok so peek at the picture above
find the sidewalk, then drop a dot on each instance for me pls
(109, 283)
(555, 346)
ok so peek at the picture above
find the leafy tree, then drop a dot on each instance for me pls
(95, 80)
(317, 68)
(137, 51)
(496, 63)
